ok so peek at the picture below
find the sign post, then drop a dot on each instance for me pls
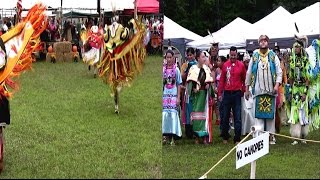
(253, 163)
(252, 150)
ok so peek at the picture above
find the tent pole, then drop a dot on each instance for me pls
(135, 9)
(61, 29)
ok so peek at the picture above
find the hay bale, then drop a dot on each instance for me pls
(67, 47)
(62, 47)
(68, 57)
(49, 57)
(59, 57)
(58, 47)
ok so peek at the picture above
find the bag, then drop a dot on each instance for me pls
(265, 106)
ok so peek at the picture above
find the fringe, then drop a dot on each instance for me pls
(119, 67)
(37, 19)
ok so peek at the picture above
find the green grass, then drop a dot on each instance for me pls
(63, 125)
(187, 160)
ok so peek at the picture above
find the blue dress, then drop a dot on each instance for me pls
(170, 116)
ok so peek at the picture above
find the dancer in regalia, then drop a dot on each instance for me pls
(199, 88)
(313, 52)
(123, 55)
(299, 83)
(264, 75)
(171, 128)
(16, 48)
(93, 47)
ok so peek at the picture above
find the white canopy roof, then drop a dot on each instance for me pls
(105, 4)
(173, 30)
(29, 3)
(278, 24)
(233, 34)
(48, 13)
(308, 19)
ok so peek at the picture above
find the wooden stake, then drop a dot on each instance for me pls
(135, 9)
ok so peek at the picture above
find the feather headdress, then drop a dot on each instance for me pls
(302, 40)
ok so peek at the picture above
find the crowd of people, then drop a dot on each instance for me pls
(6, 24)
(265, 89)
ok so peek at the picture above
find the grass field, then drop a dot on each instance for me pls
(187, 160)
(63, 125)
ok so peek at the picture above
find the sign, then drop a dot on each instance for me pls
(251, 150)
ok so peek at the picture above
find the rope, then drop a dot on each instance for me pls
(205, 175)
(289, 137)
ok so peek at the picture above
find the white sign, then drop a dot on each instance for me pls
(252, 150)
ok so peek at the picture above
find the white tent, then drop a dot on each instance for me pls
(233, 34)
(278, 24)
(29, 3)
(308, 19)
(81, 6)
(173, 30)
(105, 4)
(48, 13)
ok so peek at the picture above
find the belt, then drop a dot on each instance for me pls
(231, 92)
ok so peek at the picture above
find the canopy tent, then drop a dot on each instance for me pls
(308, 19)
(233, 34)
(84, 4)
(283, 43)
(177, 35)
(144, 7)
(225, 52)
(148, 6)
(27, 4)
(48, 13)
(173, 30)
(278, 24)
(75, 14)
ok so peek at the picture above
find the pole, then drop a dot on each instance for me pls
(253, 163)
(253, 170)
(61, 22)
(135, 10)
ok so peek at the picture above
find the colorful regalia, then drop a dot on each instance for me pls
(299, 81)
(313, 52)
(123, 56)
(263, 73)
(170, 117)
(187, 103)
(198, 78)
(93, 47)
(16, 48)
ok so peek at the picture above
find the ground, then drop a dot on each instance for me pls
(64, 125)
(188, 160)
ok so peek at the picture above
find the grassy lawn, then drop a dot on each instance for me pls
(63, 125)
(187, 160)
